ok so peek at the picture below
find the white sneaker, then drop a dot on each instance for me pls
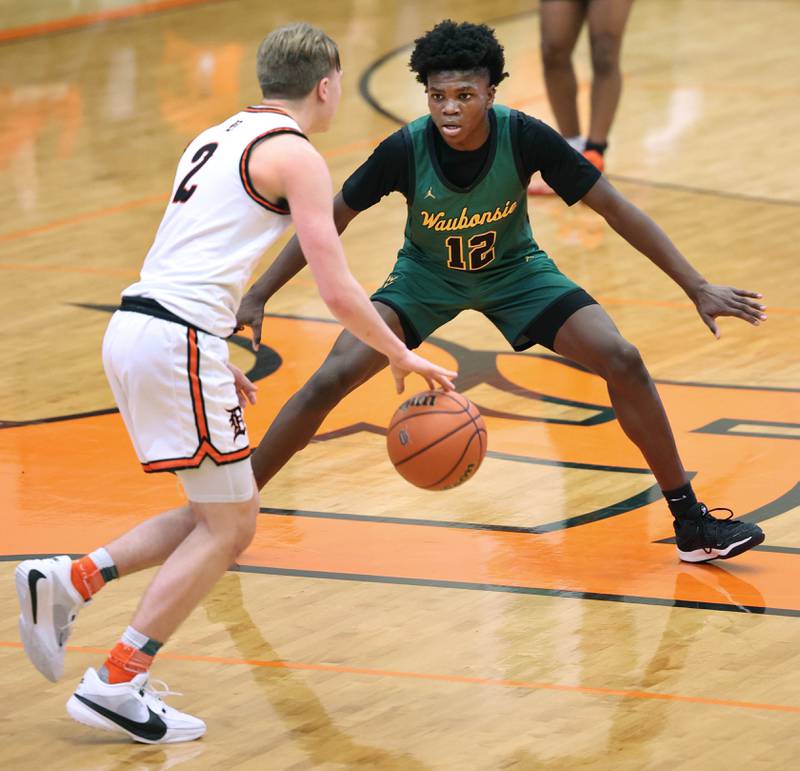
(134, 709)
(49, 604)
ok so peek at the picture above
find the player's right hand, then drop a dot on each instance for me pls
(411, 362)
(251, 314)
(714, 300)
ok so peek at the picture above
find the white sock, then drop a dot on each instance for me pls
(576, 143)
(134, 638)
(102, 558)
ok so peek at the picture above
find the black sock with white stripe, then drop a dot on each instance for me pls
(680, 500)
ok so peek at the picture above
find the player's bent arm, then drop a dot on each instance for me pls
(641, 232)
(308, 192)
(711, 300)
(297, 173)
(307, 188)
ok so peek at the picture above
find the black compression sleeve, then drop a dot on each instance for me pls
(385, 171)
(543, 149)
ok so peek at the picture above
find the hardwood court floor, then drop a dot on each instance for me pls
(536, 617)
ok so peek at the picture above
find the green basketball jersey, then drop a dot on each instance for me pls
(463, 230)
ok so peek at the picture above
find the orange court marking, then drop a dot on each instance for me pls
(50, 268)
(82, 217)
(88, 19)
(75, 219)
(457, 679)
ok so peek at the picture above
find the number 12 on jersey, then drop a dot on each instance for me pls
(481, 251)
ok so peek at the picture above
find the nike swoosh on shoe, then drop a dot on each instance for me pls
(152, 729)
(33, 578)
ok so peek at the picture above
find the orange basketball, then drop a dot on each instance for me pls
(437, 439)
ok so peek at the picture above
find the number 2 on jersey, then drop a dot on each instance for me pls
(184, 193)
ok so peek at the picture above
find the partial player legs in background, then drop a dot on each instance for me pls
(560, 26)
(606, 20)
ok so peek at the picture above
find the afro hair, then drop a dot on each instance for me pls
(458, 46)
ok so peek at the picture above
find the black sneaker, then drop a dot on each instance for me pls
(701, 537)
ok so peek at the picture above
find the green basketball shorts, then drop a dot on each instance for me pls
(528, 302)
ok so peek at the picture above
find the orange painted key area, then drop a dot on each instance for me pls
(582, 559)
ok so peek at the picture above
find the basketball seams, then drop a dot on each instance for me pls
(415, 467)
(463, 408)
(456, 464)
(478, 430)
(434, 443)
(423, 414)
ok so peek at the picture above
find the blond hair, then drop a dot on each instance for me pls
(293, 59)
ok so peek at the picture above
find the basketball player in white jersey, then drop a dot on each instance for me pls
(237, 187)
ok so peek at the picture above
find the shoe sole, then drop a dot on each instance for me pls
(84, 715)
(735, 549)
(31, 634)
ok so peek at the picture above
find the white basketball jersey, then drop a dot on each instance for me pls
(216, 225)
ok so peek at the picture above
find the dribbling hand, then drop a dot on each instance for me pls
(715, 300)
(411, 362)
(251, 314)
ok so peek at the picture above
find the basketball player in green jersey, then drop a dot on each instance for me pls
(464, 170)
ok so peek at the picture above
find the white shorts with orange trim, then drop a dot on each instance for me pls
(174, 392)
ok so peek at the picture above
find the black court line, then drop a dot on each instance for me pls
(366, 75)
(56, 418)
(272, 362)
(704, 191)
(529, 590)
(631, 503)
(699, 384)
(357, 428)
(569, 464)
(728, 426)
(366, 94)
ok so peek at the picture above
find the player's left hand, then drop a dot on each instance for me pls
(713, 300)
(245, 388)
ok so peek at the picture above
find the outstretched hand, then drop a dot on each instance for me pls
(251, 314)
(433, 373)
(715, 300)
(245, 388)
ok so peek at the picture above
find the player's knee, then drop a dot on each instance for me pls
(328, 387)
(244, 526)
(555, 57)
(231, 524)
(624, 362)
(241, 528)
(605, 55)
(185, 517)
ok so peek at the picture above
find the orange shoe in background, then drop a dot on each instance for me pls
(595, 158)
